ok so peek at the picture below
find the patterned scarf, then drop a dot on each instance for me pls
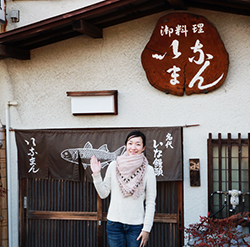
(130, 171)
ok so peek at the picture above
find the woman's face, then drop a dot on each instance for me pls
(135, 146)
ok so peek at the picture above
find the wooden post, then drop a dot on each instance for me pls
(3, 200)
(99, 222)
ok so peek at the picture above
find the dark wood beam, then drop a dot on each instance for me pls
(131, 17)
(178, 4)
(61, 20)
(84, 27)
(45, 38)
(12, 52)
(92, 19)
(236, 7)
(131, 12)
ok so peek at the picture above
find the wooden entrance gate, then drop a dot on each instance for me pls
(59, 213)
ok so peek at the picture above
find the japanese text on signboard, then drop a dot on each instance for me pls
(180, 56)
(159, 147)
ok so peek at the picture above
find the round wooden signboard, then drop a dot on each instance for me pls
(185, 54)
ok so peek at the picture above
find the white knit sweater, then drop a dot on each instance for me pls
(127, 210)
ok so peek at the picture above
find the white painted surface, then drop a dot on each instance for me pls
(114, 63)
(92, 104)
(35, 11)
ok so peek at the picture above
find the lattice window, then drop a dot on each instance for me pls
(228, 169)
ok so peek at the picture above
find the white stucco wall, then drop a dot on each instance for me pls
(82, 63)
(34, 11)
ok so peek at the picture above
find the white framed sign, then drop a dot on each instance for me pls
(2, 12)
(94, 102)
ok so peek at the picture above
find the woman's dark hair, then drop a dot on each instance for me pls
(136, 133)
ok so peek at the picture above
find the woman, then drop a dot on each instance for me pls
(131, 181)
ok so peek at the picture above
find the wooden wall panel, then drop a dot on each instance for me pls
(3, 200)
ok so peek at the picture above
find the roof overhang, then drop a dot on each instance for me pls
(91, 20)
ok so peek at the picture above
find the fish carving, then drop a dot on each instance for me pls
(85, 154)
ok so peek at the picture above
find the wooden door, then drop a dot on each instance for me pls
(59, 213)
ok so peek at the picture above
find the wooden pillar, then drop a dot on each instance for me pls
(99, 222)
(3, 200)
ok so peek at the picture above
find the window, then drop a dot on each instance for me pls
(228, 169)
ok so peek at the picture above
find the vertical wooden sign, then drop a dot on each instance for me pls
(194, 169)
(185, 54)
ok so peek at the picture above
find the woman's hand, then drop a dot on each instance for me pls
(144, 238)
(95, 165)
